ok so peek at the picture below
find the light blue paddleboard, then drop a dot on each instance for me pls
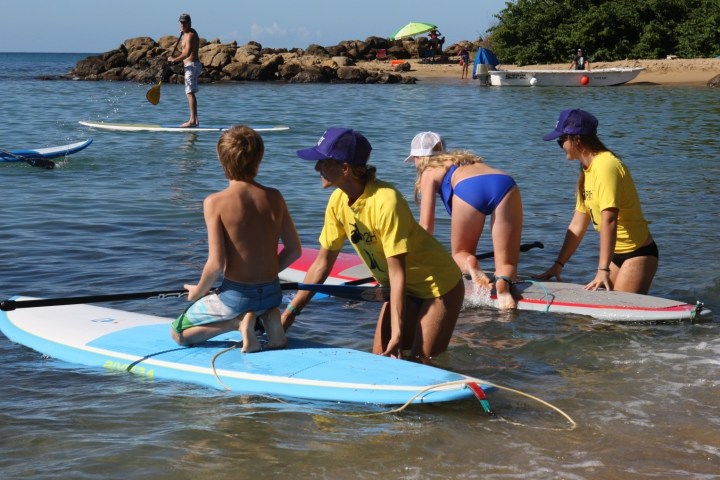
(152, 127)
(44, 152)
(117, 340)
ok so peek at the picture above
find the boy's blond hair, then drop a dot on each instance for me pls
(240, 150)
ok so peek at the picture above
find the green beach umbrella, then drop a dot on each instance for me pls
(412, 29)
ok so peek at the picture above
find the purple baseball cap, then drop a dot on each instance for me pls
(574, 122)
(341, 144)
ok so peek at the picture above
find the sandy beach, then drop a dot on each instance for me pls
(678, 71)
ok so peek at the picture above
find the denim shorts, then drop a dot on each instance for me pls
(232, 300)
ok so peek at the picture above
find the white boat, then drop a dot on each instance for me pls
(602, 77)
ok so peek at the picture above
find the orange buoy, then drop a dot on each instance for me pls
(584, 80)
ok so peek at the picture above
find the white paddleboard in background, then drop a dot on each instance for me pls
(117, 340)
(552, 297)
(151, 127)
(613, 306)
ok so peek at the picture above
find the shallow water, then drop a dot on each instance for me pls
(125, 215)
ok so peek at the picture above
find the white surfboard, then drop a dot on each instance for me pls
(552, 297)
(153, 127)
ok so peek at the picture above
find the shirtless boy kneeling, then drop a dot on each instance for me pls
(244, 222)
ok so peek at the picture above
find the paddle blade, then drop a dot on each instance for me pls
(153, 95)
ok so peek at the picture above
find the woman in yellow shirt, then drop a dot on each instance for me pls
(606, 196)
(426, 286)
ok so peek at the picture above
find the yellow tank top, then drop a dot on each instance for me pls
(379, 225)
(608, 184)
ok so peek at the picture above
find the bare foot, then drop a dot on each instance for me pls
(189, 124)
(479, 278)
(274, 329)
(506, 301)
(251, 343)
(247, 329)
(503, 287)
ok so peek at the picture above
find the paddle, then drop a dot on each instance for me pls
(349, 290)
(369, 294)
(153, 95)
(480, 256)
(33, 162)
(523, 248)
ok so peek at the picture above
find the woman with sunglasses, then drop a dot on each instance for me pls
(606, 196)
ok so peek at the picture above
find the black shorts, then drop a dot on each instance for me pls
(650, 250)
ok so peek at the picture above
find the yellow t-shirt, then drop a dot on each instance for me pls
(608, 184)
(379, 225)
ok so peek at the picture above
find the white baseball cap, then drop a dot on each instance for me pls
(426, 144)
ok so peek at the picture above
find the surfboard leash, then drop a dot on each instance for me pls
(697, 309)
(474, 385)
(212, 364)
(572, 422)
(548, 303)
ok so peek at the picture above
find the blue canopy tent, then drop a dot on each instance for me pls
(485, 57)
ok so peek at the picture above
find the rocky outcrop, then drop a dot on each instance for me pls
(142, 60)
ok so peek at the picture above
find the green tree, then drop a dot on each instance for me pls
(699, 34)
(549, 31)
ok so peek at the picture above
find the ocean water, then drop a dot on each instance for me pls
(125, 215)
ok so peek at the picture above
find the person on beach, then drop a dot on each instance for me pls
(464, 61)
(580, 61)
(244, 222)
(471, 190)
(436, 43)
(605, 196)
(191, 65)
(426, 287)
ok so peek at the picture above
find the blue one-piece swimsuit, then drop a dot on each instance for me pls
(483, 192)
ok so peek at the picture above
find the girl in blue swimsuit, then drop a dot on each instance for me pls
(470, 190)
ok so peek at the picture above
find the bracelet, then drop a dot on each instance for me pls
(292, 309)
(604, 269)
(560, 263)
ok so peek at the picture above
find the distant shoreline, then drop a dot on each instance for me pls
(698, 71)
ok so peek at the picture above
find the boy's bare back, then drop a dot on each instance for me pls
(250, 219)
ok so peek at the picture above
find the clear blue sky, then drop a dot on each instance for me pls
(95, 26)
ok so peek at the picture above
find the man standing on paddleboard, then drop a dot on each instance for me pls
(191, 64)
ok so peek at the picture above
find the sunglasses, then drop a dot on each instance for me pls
(561, 140)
